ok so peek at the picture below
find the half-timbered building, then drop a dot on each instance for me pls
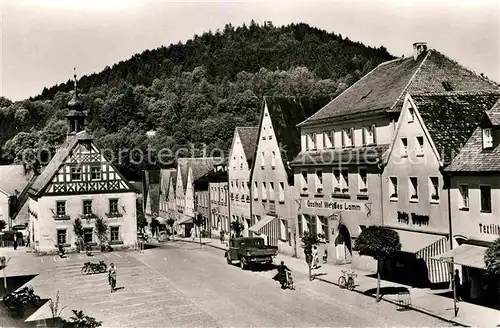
(79, 182)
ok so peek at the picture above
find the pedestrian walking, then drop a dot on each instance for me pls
(112, 272)
(222, 236)
(325, 256)
(192, 233)
(315, 258)
(15, 240)
(458, 286)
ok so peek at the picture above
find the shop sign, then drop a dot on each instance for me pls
(489, 229)
(337, 205)
(416, 219)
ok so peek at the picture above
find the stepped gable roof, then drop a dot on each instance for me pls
(452, 118)
(12, 178)
(472, 157)
(199, 166)
(384, 88)
(55, 163)
(248, 137)
(154, 198)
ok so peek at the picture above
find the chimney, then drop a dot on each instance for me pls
(418, 49)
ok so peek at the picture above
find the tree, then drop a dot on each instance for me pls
(379, 243)
(237, 227)
(81, 320)
(492, 258)
(309, 240)
(198, 221)
(101, 229)
(78, 230)
(2, 225)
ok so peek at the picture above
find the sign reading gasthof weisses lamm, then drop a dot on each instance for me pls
(337, 205)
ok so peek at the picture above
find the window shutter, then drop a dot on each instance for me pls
(364, 131)
(343, 137)
(352, 137)
(332, 135)
(374, 133)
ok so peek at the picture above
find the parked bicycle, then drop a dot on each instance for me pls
(289, 281)
(347, 279)
(91, 268)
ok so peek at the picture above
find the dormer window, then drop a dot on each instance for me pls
(369, 135)
(347, 137)
(411, 115)
(487, 138)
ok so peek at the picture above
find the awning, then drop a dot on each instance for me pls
(262, 223)
(466, 255)
(412, 242)
(184, 220)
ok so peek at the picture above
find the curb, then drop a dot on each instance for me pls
(417, 309)
(203, 243)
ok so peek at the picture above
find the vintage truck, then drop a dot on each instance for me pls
(250, 250)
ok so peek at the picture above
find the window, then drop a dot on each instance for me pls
(241, 162)
(300, 225)
(487, 138)
(113, 206)
(304, 180)
(411, 115)
(419, 150)
(328, 139)
(324, 228)
(464, 192)
(255, 190)
(283, 230)
(404, 146)
(264, 134)
(76, 174)
(314, 141)
(393, 192)
(345, 181)
(273, 160)
(87, 207)
(319, 181)
(264, 191)
(311, 224)
(336, 182)
(87, 235)
(413, 189)
(434, 189)
(115, 233)
(485, 199)
(95, 173)
(309, 142)
(61, 236)
(447, 86)
(263, 160)
(271, 192)
(270, 133)
(363, 186)
(347, 136)
(282, 192)
(61, 207)
(369, 135)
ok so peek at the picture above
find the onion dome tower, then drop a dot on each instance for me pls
(76, 115)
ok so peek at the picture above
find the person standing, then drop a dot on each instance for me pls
(315, 259)
(458, 286)
(112, 276)
(15, 240)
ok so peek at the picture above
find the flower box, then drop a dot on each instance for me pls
(114, 215)
(62, 217)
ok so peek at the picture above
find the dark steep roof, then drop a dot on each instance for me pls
(248, 137)
(370, 155)
(55, 163)
(383, 89)
(199, 166)
(154, 198)
(451, 119)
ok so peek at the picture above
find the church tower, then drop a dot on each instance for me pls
(76, 115)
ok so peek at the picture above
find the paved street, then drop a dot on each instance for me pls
(183, 284)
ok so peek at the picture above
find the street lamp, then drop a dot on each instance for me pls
(226, 189)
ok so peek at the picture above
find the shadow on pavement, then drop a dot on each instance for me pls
(150, 246)
(387, 291)
(14, 282)
(314, 275)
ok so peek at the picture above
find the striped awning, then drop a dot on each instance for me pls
(262, 223)
(466, 255)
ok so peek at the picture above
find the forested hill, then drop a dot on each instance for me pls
(195, 92)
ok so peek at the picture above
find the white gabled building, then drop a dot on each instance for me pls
(79, 182)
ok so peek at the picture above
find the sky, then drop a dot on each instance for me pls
(42, 40)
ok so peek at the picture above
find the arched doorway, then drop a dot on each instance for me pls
(343, 245)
